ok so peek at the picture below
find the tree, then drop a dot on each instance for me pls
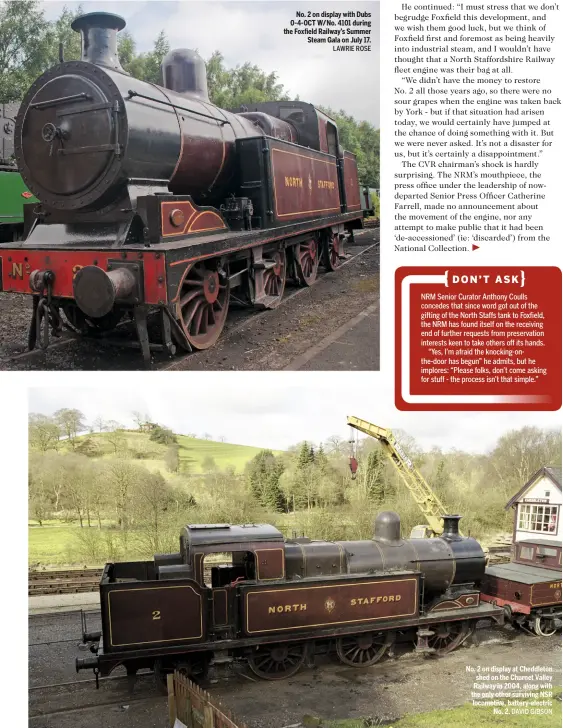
(71, 422)
(100, 424)
(335, 445)
(144, 66)
(59, 32)
(39, 501)
(441, 478)
(151, 498)
(374, 476)
(306, 455)
(263, 475)
(172, 458)
(208, 464)
(520, 453)
(362, 139)
(116, 437)
(139, 419)
(43, 432)
(22, 47)
(78, 476)
(162, 435)
(121, 476)
(246, 84)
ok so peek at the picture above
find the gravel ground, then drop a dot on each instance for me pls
(274, 339)
(251, 339)
(397, 686)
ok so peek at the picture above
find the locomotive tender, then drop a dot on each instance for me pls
(278, 602)
(151, 197)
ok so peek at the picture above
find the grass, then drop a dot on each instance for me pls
(465, 716)
(193, 451)
(51, 543)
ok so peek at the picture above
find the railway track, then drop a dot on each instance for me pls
(74, 696)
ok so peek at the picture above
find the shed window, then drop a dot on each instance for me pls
(527, 552)
(545, 551)
(537, 518)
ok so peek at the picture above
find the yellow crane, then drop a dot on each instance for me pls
(428, 502)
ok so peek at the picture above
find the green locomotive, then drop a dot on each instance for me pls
(13, 192)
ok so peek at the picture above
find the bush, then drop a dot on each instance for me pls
(163, 435)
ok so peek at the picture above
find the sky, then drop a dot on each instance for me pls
(267, 410)
(253, 31)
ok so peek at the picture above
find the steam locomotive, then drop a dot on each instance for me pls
(13, 192)
(277, 603)
(151, 197)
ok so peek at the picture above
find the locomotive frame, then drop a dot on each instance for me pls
(154, 198)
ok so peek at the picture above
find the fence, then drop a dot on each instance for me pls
(189, 705)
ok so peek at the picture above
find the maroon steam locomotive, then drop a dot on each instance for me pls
(278, 602)
(154, 198)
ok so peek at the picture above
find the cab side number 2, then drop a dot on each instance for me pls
(156, 614)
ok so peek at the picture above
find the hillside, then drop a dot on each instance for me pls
(60, 540)
(193, 451)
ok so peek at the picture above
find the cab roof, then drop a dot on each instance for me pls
(219, 533)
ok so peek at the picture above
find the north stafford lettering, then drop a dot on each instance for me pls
(279, 608)
(362, 601)
(294, 182)
(325, 184)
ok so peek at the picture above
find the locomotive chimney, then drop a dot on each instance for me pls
(387, 527)
(184, 72)
(99, 38)
(451, 527)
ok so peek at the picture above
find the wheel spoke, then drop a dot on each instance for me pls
(211, 315)
(203, 305)
(306, 262)
(357, 651)
(189, 297)
(276, 662)
(448, 637)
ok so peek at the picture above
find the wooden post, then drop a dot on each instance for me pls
(171, 699)
(208, 721)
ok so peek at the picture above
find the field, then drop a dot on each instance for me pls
(52, 543)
